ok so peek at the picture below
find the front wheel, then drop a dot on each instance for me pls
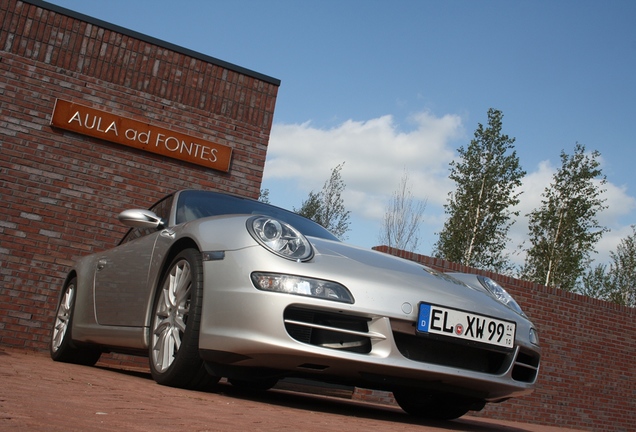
(174, 339)
(61, 347)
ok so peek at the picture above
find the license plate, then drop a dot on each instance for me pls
(466, 326)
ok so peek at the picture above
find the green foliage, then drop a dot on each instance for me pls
(264, 196)
(487, 178)
(623, 271)
(596, 283)
(564, 230)
(618, 283)
(327, 206)
(311, 208)
(400, 227)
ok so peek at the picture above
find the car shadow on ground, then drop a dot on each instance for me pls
(330, 400)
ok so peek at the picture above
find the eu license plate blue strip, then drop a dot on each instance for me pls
(424, 317)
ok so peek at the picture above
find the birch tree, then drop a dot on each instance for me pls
(264, 196)
(618, 283)
(327, 206)
(403, 217)
(564, 230)
(623, 271)
(487, 178)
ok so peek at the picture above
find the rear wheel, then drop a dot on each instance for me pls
(61, 347)
(432, 406)
(174, 338)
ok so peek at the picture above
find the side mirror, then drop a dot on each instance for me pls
(140, 219)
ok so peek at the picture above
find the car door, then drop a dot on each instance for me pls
(121, 279)
(122, 274)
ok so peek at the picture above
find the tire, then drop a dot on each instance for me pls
(174, 332)
(432, 406)
(61, 346)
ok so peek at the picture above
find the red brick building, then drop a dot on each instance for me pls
(61, 190)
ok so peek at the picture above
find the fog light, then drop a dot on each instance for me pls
(534, 337)
(301, 286)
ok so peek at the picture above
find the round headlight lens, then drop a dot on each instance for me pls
(498, 292)
(280, 238)
(271, 230)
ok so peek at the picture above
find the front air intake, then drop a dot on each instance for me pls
(526, 367)
(328, 330)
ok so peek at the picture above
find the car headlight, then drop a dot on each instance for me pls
(280, 238)
(298, 285)
(498, 292)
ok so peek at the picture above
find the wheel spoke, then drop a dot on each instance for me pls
(171, 315)
(63, 317)
(163, 351)
(182, 284)
(179, 323)
(175, 339)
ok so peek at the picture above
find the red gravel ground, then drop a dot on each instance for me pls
(37, 394)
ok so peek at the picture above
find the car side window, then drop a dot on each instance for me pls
(161, 209)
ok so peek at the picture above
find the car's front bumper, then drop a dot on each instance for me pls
(357, 344)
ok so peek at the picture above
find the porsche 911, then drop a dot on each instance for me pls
(210, 285)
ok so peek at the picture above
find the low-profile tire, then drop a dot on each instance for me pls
(432, 406)
(174, 331)
(61, 347)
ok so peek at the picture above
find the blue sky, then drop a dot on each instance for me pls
(394, 87)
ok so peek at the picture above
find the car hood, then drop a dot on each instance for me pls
(387, 279)
(378, 281)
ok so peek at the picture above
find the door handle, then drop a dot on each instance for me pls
(168, 233)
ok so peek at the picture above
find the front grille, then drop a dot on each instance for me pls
(328, 330)
(443, 353)
(526, 367)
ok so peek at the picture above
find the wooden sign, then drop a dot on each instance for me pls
(111, 127)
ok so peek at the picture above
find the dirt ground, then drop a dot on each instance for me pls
(37, 394)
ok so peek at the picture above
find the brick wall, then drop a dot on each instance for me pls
(60, 192)
(587, 378)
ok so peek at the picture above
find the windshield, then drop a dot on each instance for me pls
(194, 204)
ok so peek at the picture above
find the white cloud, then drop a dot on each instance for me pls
(534, 184)
(376, 153)
(619, 204)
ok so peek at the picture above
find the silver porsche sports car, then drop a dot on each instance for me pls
(209, 285)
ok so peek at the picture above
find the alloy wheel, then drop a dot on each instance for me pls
(171, 315)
